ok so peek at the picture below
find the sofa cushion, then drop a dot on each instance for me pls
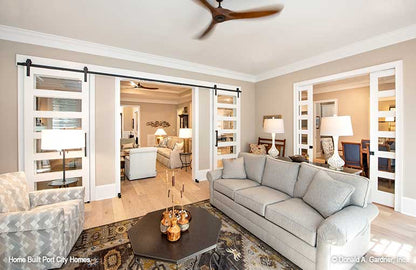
(257, 198)
(234, 168)
(327, 195)
(305, 176)
(164, 152)
(254, 165)
(296, 217)
(72, 211)
(361, 195)
(14, 194)
(280, 175)
(228, 187)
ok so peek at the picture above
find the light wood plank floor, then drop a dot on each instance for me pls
(142, 196)
(393, 234)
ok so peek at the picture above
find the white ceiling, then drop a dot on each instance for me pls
(167, 28)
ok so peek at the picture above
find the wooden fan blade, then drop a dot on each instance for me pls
(208, 30)
(250, 14)
(205, 4)
(150, 88)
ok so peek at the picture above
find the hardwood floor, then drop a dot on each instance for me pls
(142, 196)
(393, 234)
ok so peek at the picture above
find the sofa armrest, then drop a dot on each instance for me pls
(345, 225)
(214, 175)
(32, 220)
(49, 196)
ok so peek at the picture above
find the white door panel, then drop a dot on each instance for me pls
(383, 135)
(54, 100)
(226, 125)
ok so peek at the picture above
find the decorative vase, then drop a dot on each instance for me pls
(183, 222)
(174, 231)
(165, 222)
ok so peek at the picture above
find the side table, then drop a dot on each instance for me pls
(61, 184)
(186, 159)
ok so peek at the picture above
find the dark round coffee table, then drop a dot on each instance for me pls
(149, 243)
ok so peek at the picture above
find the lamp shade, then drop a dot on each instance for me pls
(62, 139)
(336, 126)
(185, 133)
(160, 132)
(274, 126)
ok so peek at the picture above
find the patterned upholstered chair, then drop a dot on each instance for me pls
(327, 145)
(40, 223)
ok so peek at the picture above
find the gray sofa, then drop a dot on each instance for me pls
(270, 204)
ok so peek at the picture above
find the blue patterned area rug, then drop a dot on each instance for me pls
(108, 248)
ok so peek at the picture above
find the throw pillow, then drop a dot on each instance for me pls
(178, 146)
(164, 143)
(298, 158)
(234, 168)
(127, 146)
(258, 149)
(14, 194)
(327, 195)
(280, 175)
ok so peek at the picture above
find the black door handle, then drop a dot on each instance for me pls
(216, 138)
(85, 147)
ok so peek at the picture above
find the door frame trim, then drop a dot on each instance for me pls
(398, 66)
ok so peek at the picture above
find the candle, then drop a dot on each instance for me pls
(173, 179)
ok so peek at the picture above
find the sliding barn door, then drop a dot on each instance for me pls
(303, 114)
(383, 86)
(54, 100)
(226, 123)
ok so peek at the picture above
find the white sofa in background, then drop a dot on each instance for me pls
(169, 156)
(141, 163)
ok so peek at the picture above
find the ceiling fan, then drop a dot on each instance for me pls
(139, 85)
(220, 14)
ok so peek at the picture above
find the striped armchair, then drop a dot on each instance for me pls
(40, 223)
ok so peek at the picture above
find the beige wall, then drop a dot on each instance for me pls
(204, 124)
(128, 118)
(104, 130)
(275, 96)
(355, 103)
(9, 108)
(156, 112)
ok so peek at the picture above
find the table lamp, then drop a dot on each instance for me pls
(274, 126)
(160, 132)
(185, 134)
(62, 140)
(336, 126)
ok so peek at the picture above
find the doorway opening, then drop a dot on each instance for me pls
(372, 98)
(156, 138)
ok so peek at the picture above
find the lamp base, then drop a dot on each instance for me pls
(336, 162)
(273, 152)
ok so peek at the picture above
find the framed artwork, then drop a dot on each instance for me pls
(277, 116)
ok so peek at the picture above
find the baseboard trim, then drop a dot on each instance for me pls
(201, 175)
(409, 206)
(105, 192)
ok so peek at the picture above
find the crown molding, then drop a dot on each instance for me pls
(59, 42)
(376, 42)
